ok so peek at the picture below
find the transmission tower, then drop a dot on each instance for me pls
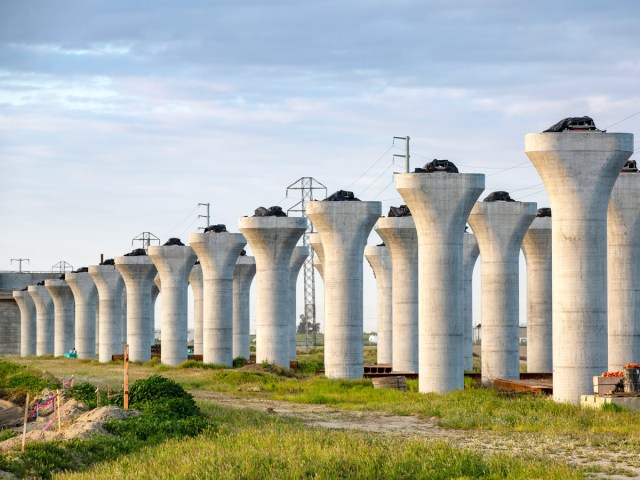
(406, 155)
(307, 185)
(146, 239)
(20, 260)
(62, 267)
(207, 215)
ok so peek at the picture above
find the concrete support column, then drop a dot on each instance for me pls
(138, 273)
(401, 238)
(272, 240)
(27, 322)
(344, 228)
(123, 316)
(499, 228)
(623, 257)
(218, 253)
(174, 264)
(63, 314)
(195, 280)
(155, 291)
(85, 295)
(380, 261)
(440, 204)
(536, 247)
(579, 169)
(300, 254)
(243, 274)
(318, 258)
(109, 284)
(44, 319)
(470, 253)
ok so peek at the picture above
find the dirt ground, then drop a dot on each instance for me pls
(565, 448)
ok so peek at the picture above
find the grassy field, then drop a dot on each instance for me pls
(263, 446)
(472, 408)
(250, 445)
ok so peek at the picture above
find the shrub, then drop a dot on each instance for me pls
(168, 408)
(85, 393)
(154, 387)
(239, 362)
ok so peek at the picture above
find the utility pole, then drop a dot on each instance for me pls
(307, 185)
(20, 260)
(406, 152)
(207, 216)
(62, 266)
(145, 238)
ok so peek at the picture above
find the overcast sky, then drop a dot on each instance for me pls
(118, 117)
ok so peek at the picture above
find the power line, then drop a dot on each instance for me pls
(181, 221)
(373, 165)
(510, 168)
(533, 193)
(624, 119)
(376, 179)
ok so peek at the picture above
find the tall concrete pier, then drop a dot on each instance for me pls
(85, 295)
(300, 254)
(109, 284)
(27, 322)
(380, 261)
(579, 169)
(155, 291)
(401, 238)
(470, 252)
(138, 272)
(243, 274)
(218, 253)
(174, 262)
(63, 314)
(195, 280)
(272, 240)
(44, 319)
(344, 227)
(123, 316)
(623, 257)
(318, 258)
(440, 203)
(499, 227)
(536, 247)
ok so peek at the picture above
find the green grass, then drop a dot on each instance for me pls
(20, 379)
(168, 412)
(246, 444)
(474, 408)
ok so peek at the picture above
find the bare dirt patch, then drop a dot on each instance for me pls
(614, 463)
(75, 422)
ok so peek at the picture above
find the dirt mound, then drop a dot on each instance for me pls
(76, 423)
(104, 414)
(10, 415)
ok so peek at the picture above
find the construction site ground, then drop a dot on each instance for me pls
(614, 463)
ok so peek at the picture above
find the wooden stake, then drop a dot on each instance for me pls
(26, 417)
(126, 377)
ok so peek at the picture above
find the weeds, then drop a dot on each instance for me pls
(248, 444)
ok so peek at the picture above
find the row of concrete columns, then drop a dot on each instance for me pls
(221, 303)
(579, 170)
(430, 270)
